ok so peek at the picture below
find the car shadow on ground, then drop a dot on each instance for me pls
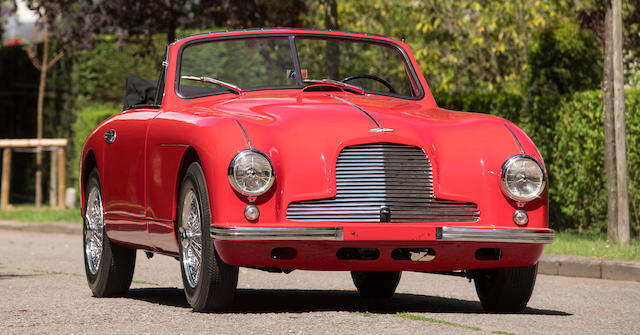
(301, 301)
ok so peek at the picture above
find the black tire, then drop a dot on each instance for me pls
(376, 284)
(216, 282)
(505, 290)
(111, 275)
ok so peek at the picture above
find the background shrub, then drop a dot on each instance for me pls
(562, 59)
(89, 116)
(578, 175)
(99, 74)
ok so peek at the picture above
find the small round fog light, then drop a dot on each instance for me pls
(251, 212)
(520, 217)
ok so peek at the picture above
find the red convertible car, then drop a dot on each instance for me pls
(289, 149)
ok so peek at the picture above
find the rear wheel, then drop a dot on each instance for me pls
(376, 284)
(209, 283)
(505, 290)
(109, 268)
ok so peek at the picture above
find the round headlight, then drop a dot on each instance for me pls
(522, 178)
(251, 173)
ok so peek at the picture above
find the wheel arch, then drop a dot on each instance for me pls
(189, 156)
(88, 164)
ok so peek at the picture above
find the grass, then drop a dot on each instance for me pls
(432, 320)
(28, 213)
(56, 273)
(142, 282)
(417, 317)
(592, 246)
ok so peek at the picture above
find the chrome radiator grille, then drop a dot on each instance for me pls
(383, 182)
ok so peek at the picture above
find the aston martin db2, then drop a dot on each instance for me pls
(290, 149)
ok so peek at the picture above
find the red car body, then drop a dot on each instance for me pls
(303, 132)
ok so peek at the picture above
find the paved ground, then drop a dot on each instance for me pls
(43, 290)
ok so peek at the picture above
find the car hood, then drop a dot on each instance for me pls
(304, 133)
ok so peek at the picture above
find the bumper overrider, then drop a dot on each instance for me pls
(454, 234)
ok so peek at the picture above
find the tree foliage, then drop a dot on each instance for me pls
(7, 8)
(81, 20)
(591, 13)
(564, 59)
(459, 45)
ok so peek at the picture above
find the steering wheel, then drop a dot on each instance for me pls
(368, 76)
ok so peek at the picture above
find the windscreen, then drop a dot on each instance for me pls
(268, 63)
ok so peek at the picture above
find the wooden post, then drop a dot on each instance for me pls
(619, 124)
(609, 130)
(61, 177)
(6, 178)
(53, 179)
(43, 78)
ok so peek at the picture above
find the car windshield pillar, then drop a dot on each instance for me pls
(296, 61)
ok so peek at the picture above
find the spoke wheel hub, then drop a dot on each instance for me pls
(191, 238)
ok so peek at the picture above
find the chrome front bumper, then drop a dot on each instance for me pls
(494, 235)
(336, 234)
(269, 233)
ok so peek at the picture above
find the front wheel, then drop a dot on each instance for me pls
(109, 268)
(505, 290)
(209, 283)
(376, 284)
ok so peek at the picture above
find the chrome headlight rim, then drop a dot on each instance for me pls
(505, 186)
(233, 181)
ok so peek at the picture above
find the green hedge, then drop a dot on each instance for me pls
(578, 175)
(568, 131)
(99, 74)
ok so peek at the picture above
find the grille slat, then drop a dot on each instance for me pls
(372, 176)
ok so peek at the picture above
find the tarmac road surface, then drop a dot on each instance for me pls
(43, 290)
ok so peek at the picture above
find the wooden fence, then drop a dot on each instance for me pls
(57, 147)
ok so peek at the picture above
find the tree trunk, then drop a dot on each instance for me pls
(171, 25)
(619, 124)
(43, 79)
(609, 133)
(332, 51)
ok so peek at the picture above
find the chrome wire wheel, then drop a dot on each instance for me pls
(94, 230)
(191, 238)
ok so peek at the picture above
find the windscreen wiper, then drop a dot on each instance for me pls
(224, 84)
(349, 87)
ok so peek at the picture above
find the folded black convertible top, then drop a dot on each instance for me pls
(139, 91)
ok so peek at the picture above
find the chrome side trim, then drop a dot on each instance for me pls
(140, 218)
(270, 233)
(173, 145)
(494, 235)
(516, 137)
(357, 107)
(245, 134)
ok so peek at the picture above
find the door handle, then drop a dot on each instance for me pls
(110, 136)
